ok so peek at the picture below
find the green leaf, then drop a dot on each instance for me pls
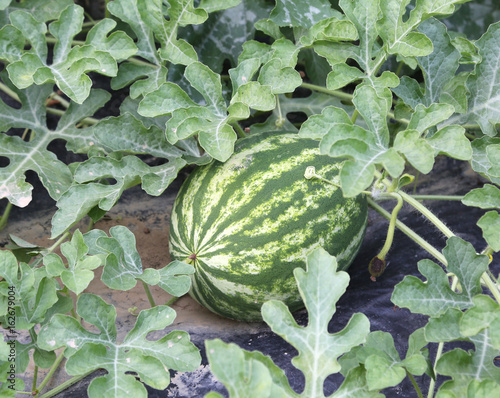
(341, 75)
(451, 140)
(78, 275)
(363, 148)
(7, 384)
(255, 96)
(398, 35)
(35, 293)
(149, 359)
(218, 5)
(43, 11)
(484, 100)
(416, 150)
(485, 314)
(118, 44)
(246, 374)
(490, 225)
(42, 358)
(482, 389)
(383, 364)
(444, 58)
(318, 349)
(478, 326)
(295, 13)
(331, 29)
(33, 155)
(163, 101)
(481, 162)
(311, 105)
(128, 11)
(364, 17)
(129, 73)
(466, 369)
(210, 122)
(436, 296)
(180, 13)
(444, 86)
(317, 126)
(426, 117)
(487, 197)
(220, 38)
(281, 79)
(129, 171)
(123, 265)
(126, 134)
(384, 367)
(70, 65)
(320, 287)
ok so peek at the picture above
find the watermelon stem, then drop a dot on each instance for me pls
(148, 293)
(311, 173)
(239, 130)
(420, 207)
(281, 120)
(377, 264)
(409, 232)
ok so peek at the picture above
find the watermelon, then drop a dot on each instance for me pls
(247, 223)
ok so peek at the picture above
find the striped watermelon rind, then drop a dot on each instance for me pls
(246, 224)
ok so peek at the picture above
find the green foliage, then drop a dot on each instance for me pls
(123, 265)
(395, 83)
(320, 287)
(87, 351)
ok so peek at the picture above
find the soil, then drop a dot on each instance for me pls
(148, 218)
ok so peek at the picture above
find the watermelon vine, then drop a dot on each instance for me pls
(143, 91)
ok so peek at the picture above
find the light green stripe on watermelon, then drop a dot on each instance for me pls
(251, 221)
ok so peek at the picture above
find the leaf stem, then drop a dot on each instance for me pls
(5, 215)
(492, 286)
(415, 385)
(409, 232)
(172, 300)
(392, 226)
(49, 375)
(239, 130)
(432, 384)
(420, 207)
(65, 385)
(35, 377)
(354, 116)
(148, 293)
(438, 197)
(58, 242)
(11, 93)
(321, 89)
(427, 213)
(439, 351)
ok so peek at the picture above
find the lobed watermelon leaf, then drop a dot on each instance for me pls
(69, 64)
(123, 265)
(435, 297)
(149, 359)
(448, 322)
(219, 39)
(35, 292)
(78, 275)
(33, 155)
(320, 287)
(475, 366)
(384, 367)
